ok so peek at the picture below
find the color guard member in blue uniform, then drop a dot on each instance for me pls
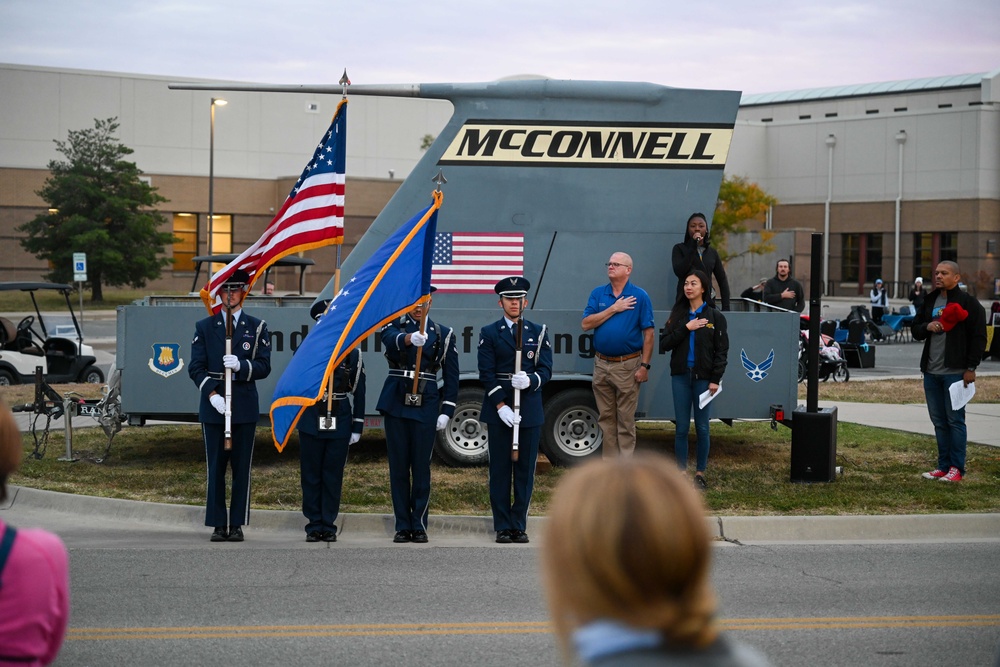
(496, 371)
(409, 428)
(250, 361)
(324, 439)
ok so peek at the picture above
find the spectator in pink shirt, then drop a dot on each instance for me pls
(34, 575)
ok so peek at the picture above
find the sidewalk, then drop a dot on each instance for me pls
(82, 518)
(981, 419)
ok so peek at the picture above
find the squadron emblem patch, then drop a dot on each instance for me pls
(166, 359)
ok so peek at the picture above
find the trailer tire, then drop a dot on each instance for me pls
(463, 442)
(571, 433)
(6, 378)
(92, 375)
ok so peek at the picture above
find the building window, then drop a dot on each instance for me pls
(931, 248)
(185, 229)
(222, 237)
(860, 252)
(850, 255)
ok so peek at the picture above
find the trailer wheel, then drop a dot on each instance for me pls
(6, 379)
(463, 442)
(92, 375)
(571, 433)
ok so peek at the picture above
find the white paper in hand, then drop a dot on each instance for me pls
(960, 394)
(707, 397)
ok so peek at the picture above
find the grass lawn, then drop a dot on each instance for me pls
(748, 470)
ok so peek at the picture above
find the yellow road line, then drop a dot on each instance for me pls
(430, 629)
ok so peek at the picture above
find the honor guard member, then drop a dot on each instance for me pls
(249, 361)
(497, 348)
(324, 436)
(411, 417)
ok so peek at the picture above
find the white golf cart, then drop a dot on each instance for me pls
(63, 358)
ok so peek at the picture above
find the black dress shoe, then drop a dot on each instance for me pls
(329, 536)
(236, 534)
(519, 537)
(419, 536)
(504, 537)
(401, 536)
(220, 534)
(313, 536)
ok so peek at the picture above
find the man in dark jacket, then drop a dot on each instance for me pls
(784, 291)
(952, 325)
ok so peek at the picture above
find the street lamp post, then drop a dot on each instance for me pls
(211, 169)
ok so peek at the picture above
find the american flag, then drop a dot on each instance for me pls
(473, 262)
(312, 215)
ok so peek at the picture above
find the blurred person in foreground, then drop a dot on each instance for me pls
(34, 575)
(649, 604)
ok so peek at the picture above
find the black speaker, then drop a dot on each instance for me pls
(814, 445)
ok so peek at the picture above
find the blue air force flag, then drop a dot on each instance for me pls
(393, 280)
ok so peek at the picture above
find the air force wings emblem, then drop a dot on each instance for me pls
(756, 372)
(166, 359)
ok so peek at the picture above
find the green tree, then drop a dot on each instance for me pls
(98, 205)
(739, 201)
(426, 141)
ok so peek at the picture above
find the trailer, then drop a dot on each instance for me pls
(575, 170)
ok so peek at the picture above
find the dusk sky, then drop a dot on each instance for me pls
(750, 46)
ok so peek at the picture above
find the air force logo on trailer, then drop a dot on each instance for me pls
(166, 359)
(756, 372)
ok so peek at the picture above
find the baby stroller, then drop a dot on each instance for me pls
(831, 359)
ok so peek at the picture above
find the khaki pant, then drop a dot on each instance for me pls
(617, 396)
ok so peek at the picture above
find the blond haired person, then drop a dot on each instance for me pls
(649, 603)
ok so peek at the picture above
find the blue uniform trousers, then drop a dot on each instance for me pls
(239, 457)
(503, 471)
(409, 446)
(322, 462)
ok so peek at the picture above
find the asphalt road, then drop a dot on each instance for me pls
(454, 604)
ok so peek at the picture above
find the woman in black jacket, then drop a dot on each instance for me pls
(696, 253)
(696, 335)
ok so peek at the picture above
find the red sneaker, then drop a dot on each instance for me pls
(934, 474)
(953, 476)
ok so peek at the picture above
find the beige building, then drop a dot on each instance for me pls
(900, 174)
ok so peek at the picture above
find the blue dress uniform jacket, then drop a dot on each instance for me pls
(410, 430)
(323, 453)
(496, 365)
(251, 344)
(439, 353)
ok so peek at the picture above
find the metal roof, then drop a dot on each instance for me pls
(865, 89)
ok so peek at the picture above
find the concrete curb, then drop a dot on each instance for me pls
(734, 529)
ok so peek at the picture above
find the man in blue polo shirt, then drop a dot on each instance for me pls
(621, 316)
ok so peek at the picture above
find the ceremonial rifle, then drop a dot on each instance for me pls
(227, 443)
(518, 346)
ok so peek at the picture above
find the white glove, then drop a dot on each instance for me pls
(508, 417)
(218, 403)
(354, 438)
(418, 339)
(231, 361)
(520, 380)
(443, 422)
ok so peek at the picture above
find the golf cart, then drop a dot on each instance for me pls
(63, 359)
